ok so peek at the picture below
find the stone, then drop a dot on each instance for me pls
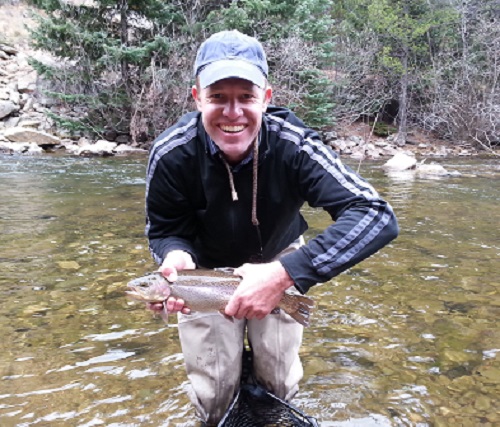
(26, 123)
(20, 147)
(8, 49)
(110, 135)
(122, 139)
(28, 104)
(123, 149)
(22, 134)
(101, 148)
(431, 169)
(27, 83)
(339, 144)
(400, 162)
(69, 265)
(7, 108)
(15, 97)
(12, 122)
(33, 149)
(330, 136)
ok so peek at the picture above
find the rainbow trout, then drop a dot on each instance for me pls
(208, 290)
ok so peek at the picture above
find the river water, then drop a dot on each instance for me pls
(410, 337)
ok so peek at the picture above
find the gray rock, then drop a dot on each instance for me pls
(330, 136)
(15, 97)
(27, 123)
(27, 83)
(8, 49)
(21, 134)
(122, 139)
(6, 108)
(432, 170)
(400, 162)
(100, 148)
(125, 149)
(12, 122)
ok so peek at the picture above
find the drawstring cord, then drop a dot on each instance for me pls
(255, 221)
(234, 193)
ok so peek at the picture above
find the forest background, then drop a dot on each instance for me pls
(125, 66)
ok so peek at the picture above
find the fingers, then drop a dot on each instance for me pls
(169, 273)
(176, 261)
(238, 309)
(154, 306)
(172, 305)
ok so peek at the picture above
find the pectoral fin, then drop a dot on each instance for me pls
(164, 313)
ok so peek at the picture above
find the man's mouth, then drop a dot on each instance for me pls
(232, 129)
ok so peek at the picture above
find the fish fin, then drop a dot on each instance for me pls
(230, 318)
(298, 307)
(164, 313)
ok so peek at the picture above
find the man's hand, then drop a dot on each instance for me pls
(260, 290)
(174, 261)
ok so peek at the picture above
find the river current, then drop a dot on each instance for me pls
(409, 337)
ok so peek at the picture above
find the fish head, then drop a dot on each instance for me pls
(151, 288)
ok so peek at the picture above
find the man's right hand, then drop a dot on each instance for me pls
(174, 261)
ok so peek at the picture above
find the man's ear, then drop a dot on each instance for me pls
(268, 94)
(195, 95)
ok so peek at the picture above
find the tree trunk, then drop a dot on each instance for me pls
(403, 101)
(403, 97)
(124, 40)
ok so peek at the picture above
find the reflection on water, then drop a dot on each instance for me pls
(408, 338)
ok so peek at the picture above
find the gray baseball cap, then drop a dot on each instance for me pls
(231, 54)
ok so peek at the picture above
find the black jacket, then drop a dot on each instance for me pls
(189, 204)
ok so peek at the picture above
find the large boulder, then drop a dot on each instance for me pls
(100, 148)
(400, 162)
(6, 108)
(20, 147)
(23, 134)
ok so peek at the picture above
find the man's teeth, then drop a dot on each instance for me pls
(232, 128)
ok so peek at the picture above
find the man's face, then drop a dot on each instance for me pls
(231, 111)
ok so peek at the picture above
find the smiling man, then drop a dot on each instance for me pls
(224, 189)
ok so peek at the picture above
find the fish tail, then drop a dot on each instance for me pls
(298, 307)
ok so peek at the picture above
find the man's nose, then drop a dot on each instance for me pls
(232, 109)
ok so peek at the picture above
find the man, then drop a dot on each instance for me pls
(224, 189)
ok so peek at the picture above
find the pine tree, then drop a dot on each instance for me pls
(107, 50)
(297, 36)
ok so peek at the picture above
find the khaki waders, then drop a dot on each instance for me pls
(213, 345)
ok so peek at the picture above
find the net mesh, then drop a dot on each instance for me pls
(254, 406)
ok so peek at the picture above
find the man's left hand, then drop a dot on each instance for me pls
(260, 290)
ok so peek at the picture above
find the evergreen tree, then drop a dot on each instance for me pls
(107, 51)
(297, 36)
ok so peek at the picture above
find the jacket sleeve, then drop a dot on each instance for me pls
(170, 223)
(363, 222)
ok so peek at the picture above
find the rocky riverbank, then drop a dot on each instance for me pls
(25, 126)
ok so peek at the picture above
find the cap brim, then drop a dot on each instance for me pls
(231, 68)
